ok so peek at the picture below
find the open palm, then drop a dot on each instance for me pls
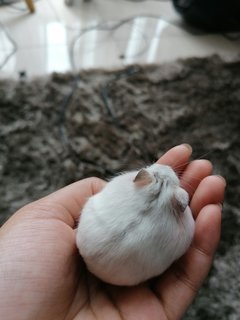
(42, 275)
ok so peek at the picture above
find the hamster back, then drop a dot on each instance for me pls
(136, 227)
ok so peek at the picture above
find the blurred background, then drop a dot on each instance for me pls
(71, 35)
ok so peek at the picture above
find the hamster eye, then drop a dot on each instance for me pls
(156, 176)
(159, 181)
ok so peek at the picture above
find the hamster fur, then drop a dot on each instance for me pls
(136, 227)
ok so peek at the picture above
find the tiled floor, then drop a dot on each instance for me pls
(98, 33)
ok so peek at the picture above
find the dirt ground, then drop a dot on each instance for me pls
(59, 129)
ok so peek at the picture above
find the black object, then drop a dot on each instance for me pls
(211, 15)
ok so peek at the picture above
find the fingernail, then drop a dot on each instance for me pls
(187, 146)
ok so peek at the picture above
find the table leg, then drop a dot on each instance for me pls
(30, 5)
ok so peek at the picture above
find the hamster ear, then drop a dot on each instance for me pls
(143, 178)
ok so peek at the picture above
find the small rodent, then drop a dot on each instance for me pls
(136, 227)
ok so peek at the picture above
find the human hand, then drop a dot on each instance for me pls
(43, 277)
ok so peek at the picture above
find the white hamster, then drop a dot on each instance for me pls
(136, 227)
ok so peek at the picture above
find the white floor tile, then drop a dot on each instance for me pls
(38, 61)
(79, 15)
(121, 9)
(99, 34)
(96, 49)
(5, 44)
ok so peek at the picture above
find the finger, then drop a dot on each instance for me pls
(185, 277)
(66, 203)
(210, 190)
(193, 175)
(177, 157)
